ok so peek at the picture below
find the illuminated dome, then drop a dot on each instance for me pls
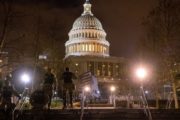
(87, 36)
(87, 22)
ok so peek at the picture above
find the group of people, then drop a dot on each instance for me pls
(49, 83)
(68, 86)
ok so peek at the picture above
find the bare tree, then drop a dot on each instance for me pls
(162, 43)
(7, 10)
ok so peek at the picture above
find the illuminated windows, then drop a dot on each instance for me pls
(93, 48)
(90, 47)
(87, 48)
(83, 47)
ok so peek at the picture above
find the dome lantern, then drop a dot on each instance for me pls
(87, 8)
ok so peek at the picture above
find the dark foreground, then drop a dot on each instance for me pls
(93, 114)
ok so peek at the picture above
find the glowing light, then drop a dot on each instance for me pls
(25, 78)
(146, 92)
(86, 88)
(141, 73)
(112, 88)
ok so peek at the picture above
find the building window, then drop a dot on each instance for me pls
(70, 49)
(99, 48)
(77, 47)
(98, 72)
(90, 66)
(86, 47)
(109, 73)
(100, 68)
(93, 47)
(83, 47)
(90, 47)
(104, 49)
(110, 69)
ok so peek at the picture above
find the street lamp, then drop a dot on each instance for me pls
(112, 88)
(25, 78)
(112, 96)
(86, 89)
(141, 74)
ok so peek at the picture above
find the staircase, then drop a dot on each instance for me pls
(95, 114)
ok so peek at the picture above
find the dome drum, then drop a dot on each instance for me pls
(89, 34)
(85, 48)
(93, 41)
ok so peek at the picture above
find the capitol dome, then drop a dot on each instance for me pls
(87, 36)
(87, 22)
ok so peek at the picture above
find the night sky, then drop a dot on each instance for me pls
(121, 19)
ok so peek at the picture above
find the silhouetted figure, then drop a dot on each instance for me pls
(49, 81)
(6, 93)
(68, 86)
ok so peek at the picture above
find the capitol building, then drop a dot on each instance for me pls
(88, 50)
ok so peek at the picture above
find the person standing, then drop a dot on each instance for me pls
(6, 94)
(68, 86)
(49, 84)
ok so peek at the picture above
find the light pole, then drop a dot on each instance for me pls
(141, 74)
(25, 78)
(112, 96)
(85, 90)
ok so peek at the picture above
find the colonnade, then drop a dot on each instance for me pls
(87, 47)
(87, 34)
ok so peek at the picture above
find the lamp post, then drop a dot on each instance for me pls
(85, 90)
(141, 74)
(25, 78)
(112, 96)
